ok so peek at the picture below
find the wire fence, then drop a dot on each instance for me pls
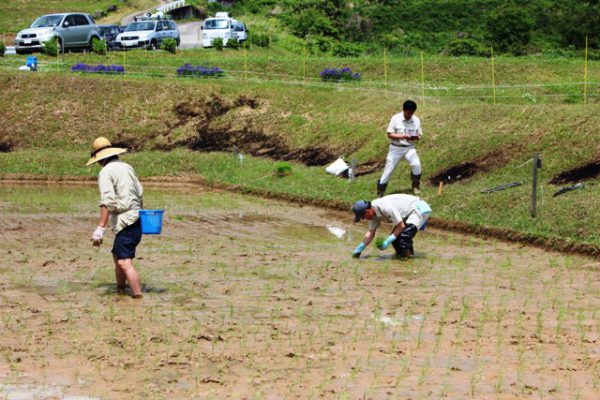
(304, 72)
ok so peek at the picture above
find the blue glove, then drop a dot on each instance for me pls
(387, 242)
(359, 249)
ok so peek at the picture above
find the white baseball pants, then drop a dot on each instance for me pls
(395, 154)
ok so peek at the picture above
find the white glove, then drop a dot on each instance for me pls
(97, 236)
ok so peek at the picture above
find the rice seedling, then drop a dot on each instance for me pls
(474, 380)
(423, 374)
(498, 385)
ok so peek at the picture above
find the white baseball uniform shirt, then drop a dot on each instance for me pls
(397, 208)
(398, 124)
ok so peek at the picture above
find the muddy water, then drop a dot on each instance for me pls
(250, 298)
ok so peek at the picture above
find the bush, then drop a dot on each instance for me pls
(260, 39)
(347, 50)
(509, 29)
(100, 69)
(2, 49)
(319, 44)
(283, 168)
(170, 45)
(99, 46)
(393, 40)
(465, 47)
(218, 44)
(576, 20)
(401, 43)
(51, 47)
(339, 75)
(214, 7)
(200, 71)
(310, 21)
(233, 44)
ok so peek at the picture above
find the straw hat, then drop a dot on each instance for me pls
(102, 149)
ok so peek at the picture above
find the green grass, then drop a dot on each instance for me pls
(566, 217)
(526, 80)
(19, 14)
(64, 112)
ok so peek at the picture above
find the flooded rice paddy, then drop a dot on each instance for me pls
(249, 298)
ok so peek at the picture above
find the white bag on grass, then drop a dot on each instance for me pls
(337, 167)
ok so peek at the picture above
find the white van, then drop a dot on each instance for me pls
(213, 28)
(221, 26)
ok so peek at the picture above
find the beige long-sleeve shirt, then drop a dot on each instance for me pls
(121, 193)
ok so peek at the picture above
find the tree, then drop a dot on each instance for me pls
(581, 19)
(509, 29)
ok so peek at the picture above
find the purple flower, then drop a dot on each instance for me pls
(343, 74)
(102, 69)
(188, 70)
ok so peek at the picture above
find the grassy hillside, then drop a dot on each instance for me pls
(19, 14)
(452, 26)
(523, 80)
(51, 136)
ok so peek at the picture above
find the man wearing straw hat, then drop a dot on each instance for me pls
(120, 200)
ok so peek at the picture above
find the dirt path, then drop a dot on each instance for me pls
(250, 298)
(191, 35)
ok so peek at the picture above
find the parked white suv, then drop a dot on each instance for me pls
(240, 30)
(148, 34)
(73, 30)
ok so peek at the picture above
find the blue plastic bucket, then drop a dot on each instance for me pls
(31, 61)
(151, 221)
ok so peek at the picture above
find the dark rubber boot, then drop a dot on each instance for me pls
(416, 183)
(404, 244)
(381, 189)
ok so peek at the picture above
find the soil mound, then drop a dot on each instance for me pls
(5, 146)
(494, 159)
(260, 145)
(456, 173)
(201, 114)
(579, 174)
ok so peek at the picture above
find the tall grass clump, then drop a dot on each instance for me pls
(51, 47)
(99, 46)
(170, 45)
(218, 44)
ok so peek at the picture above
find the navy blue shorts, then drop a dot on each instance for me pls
(127, 240)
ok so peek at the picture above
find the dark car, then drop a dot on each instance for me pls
(109, 33)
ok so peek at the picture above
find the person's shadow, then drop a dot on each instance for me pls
(387, 257)
(110, 289)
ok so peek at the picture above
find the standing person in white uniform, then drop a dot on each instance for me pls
(408, 214)
(404, 130)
